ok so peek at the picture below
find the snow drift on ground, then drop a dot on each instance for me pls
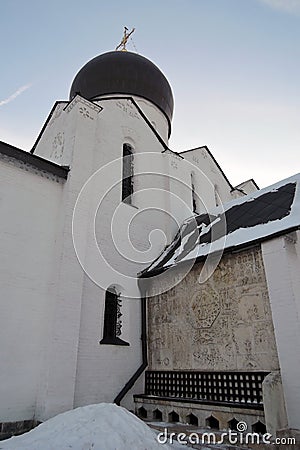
(95, 427)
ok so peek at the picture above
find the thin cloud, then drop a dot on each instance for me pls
(14, 95)
(291, 6)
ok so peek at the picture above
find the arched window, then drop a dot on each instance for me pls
(112, 327)
(194, 196)
(127, 178)
(217, 196)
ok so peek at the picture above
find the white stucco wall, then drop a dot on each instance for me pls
(157, 119)
(247, 186)
(30, 205)
(117, 123)
(282, 266)
(210, 183)
(53, 144)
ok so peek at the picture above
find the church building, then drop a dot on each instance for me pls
(136, 275)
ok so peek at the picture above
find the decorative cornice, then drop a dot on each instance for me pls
(26, 160)
(87, 105)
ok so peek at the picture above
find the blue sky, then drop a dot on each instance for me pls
(234, 67)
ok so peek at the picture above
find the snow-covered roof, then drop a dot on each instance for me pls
(258, 216)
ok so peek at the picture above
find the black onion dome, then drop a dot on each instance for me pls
(124, 73)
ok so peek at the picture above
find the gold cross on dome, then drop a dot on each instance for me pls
(122, 45)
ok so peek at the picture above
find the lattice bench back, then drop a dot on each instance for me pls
(243, 388)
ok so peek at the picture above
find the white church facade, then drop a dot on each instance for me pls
(100, 288)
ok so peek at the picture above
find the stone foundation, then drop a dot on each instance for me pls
(289, 439)
(203, 413)
(9, 429)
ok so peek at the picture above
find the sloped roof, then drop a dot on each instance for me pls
(33, 160)
(256, 217)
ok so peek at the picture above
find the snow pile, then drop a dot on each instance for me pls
(95, 427)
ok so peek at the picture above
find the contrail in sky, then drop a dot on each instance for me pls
(14, 95)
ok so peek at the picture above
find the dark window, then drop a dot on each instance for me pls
(127, 178)
(232, 424)
(259, 427)
(212, 423)
(194, 196)
(192, 419)
(142, 413)
(173, 417)
(112, 319)
(157, 414)
(217, 197)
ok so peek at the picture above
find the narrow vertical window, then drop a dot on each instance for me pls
(112, 327)
(194, 201)
(127, 178)
(217, 196)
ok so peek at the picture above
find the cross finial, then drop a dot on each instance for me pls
(122, 45)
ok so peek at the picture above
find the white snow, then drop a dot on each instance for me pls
(95, 427)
